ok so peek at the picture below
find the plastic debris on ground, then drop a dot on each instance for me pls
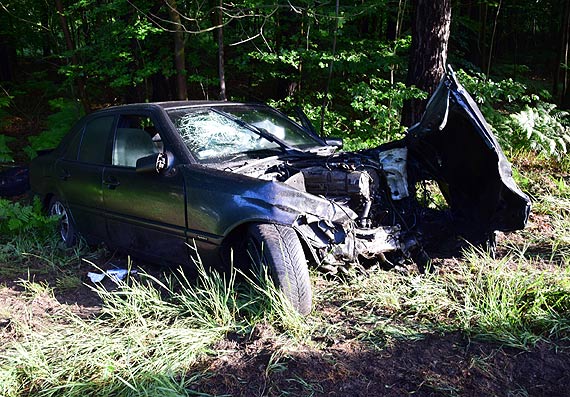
(113, 274)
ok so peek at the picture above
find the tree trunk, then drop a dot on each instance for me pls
(179, 57)
(71, 48)
(564, 55)
(428, 54)
(221, 67)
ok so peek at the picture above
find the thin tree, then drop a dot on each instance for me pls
(428, 55)
(221, 67)
(491, 46)
(329, 78)
(179, 57)
(74, 61)
(563, 64)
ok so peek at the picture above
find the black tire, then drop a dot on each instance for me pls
(66, 227)
(279, 248)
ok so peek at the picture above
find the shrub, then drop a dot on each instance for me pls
(520, 119)
(16, 218)
(59, 123)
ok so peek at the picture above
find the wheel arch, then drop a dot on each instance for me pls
(236, 235)
(45, 200)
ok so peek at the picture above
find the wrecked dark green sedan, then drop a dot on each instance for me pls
(244, 183)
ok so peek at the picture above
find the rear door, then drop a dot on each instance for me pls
(80, 171)
(145, 211)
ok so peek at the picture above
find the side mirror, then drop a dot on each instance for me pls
(336, 142)
(160, 163)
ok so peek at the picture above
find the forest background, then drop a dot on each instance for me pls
(347, 65)
(476, 325)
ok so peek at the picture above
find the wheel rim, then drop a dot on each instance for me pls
(59, 210)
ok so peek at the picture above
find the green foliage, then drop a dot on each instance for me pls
(122, 52)
(17, 218)
(542, 128)
(67, 112)
(520, 118)
(488, 92)
(5, 151)
(365, 98)
(379, 106)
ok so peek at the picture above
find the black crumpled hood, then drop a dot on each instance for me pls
(455, 146)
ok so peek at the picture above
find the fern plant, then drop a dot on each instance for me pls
(16, 217)
(543, 129)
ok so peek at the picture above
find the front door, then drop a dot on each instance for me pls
(145, 211)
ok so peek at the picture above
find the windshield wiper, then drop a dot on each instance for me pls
(258, 130)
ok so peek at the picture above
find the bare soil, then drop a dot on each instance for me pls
(436, 365)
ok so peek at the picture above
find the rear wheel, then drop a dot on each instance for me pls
(278, 247)
(66, 227)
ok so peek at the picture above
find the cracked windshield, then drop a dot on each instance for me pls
(223, 132)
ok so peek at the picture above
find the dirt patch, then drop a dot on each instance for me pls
(22, 313)
(437, 365)
(34, 294)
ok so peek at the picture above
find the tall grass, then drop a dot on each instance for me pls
(149, 336)
(503, 300)
(508, 301)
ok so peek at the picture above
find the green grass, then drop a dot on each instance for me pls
(149, 335)
(154, 333)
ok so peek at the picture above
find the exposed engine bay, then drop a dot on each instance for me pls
(445, 185)
(371, 188)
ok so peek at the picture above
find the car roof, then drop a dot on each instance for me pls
(176, 104)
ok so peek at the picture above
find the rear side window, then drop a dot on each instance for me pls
(95, 139)
(73, 145)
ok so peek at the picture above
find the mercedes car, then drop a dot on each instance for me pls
(243, 184)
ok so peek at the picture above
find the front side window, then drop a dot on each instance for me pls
(136, 137)
(95, 138)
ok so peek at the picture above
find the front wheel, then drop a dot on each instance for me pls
(278, 247)
(65, 225)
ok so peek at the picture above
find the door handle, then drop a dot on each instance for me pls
(111, 182)
(64, 175)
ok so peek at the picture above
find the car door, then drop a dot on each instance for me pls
(79, 174)
(145, 211)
